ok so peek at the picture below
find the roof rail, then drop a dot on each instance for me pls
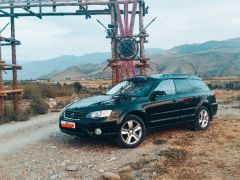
(175, 75)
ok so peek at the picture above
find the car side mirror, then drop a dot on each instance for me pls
(156, 94)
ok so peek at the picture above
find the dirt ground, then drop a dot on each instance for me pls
(36, 149)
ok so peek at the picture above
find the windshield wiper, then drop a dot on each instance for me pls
(121, 93)
(124, 95)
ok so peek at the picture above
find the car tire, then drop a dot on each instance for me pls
(202, 119)
(132, 132)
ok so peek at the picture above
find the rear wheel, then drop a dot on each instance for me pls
(202, 119)
(132, 132)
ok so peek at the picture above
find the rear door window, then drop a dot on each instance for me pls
(182, 86)
(167, 86)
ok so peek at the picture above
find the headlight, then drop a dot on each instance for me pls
(99, 114)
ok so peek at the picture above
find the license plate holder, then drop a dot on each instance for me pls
(68, 125)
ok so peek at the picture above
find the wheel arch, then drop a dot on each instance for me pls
(139, 114)
(207, 105)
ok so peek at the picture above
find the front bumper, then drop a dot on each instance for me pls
(82, 129)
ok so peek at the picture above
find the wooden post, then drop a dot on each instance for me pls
(1, 85)
(14, 62)
(114, 64)
(142, 39)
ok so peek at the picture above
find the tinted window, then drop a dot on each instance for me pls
(182, 86)
(144, 91)
(117, 88)
(167, 86)
(198, 85)
(133, 88)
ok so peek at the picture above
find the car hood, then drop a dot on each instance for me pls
(93, 101)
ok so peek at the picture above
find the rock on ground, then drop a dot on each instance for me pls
(111, 176)
(72, 168)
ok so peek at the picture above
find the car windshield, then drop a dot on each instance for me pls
(138, 88)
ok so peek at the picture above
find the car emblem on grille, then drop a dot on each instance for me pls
(72, 114)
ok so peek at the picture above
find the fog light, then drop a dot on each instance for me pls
(98, 131)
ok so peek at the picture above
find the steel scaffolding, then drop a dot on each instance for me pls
(40, 8)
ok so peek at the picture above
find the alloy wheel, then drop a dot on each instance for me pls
(131, 132)
(203, 118)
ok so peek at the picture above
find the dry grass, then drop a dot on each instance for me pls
(10, 116)
(222, 79)
(89, 83)
(126, 176)
(173, 155)
(140, 164)
(224, 96)
(46, 90)
(155, 167)
(38, 97)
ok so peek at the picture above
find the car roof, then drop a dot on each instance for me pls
(163, 76)
(174, 76)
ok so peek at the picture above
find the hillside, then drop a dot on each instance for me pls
(207, 46)
(76, 72)
(213, 58)
(210, 63)
(36, 69)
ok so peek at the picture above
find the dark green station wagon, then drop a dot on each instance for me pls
(133, 107)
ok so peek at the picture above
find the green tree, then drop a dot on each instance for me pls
(77, 87)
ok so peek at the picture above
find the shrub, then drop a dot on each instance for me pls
(77, 87)
(29, 91)
(63, 103)
(238, 98)
(46, 90)
(38, 105)
(9, 115)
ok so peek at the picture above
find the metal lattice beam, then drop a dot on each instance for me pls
(4, 4)
(40, 8)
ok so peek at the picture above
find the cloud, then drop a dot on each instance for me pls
(192, 21)
(179, 22)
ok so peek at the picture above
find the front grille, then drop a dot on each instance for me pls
(73, 114)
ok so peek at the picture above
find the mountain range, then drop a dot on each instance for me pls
(212, 58)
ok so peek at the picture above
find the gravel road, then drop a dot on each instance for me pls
(15, 136)
(36, 149)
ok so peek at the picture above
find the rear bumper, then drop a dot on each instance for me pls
(214, 109)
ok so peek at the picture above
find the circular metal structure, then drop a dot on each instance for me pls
(127, 48)
(131, 132)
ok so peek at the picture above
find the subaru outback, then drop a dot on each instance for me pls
(134, 107)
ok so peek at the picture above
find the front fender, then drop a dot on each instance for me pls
(136, 111)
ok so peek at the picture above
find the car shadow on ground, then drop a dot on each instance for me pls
(85, 141)
(169, 129)
(110, 141)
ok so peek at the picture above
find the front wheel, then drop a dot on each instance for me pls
(202, 119)
(132, 132)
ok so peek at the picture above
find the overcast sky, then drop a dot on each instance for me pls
(179, 22)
